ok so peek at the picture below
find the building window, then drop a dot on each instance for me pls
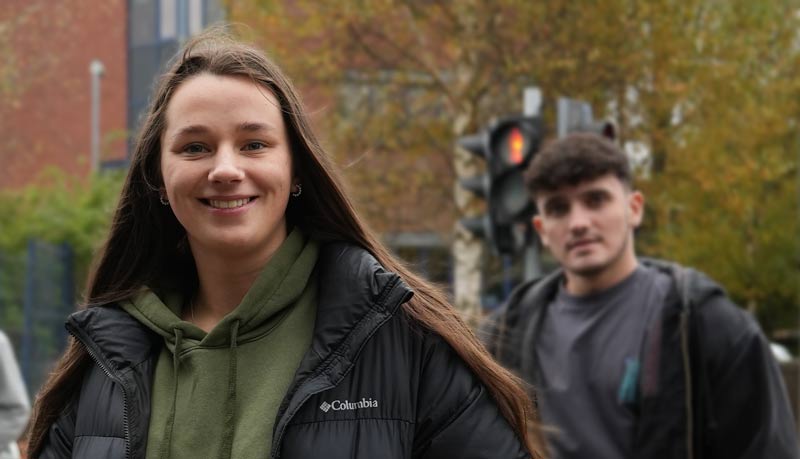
(195, 16)
(156, 28)
(168, 19)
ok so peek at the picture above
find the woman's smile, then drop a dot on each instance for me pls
(227, 204)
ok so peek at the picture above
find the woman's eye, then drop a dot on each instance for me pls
(254, 146)
(194, 148)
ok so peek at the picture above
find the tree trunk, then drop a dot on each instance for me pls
(467, 249)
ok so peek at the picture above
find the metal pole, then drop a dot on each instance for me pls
(28, 307)
(532, 101)
(67, 286)
(533, 265)
(183, 20)
(507, 275)
(532, 106)
(96, 70)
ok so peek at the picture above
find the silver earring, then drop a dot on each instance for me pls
(163, 199)
(299, 191)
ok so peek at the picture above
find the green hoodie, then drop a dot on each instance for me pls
(216, 394)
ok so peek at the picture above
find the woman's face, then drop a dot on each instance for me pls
(226, 165)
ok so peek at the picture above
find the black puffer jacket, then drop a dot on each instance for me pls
(373, 384)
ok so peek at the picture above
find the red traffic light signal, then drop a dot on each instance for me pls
(507, 145)
(516, 142)
(512, 143)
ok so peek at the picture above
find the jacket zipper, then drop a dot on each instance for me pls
(275, 453)
(104, 368)
(283, 430)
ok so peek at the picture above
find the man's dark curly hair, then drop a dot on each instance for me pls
(576, 158)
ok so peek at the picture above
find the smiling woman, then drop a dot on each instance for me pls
(240, 307)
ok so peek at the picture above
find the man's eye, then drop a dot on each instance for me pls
(595, 200)
(254, 146)
(557, 209)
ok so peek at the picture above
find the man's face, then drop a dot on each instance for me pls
(589, 227)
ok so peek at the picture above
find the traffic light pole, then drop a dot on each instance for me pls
(507, 145)
(533, 267)
(532, 106)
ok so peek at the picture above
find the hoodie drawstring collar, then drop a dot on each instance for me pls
(230, 415)
(166, 445)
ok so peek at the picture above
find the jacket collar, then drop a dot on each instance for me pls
(352, 286)
(112, 337)
(691, 285)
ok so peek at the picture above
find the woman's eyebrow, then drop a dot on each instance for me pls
(249, 126)
(192, 129)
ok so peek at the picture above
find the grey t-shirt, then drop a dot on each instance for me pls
(589, 355)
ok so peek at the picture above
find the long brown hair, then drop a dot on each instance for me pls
(145, 243)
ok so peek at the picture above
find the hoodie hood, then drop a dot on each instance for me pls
(279, 285)
(693, 287)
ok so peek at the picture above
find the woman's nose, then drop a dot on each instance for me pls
(225, 167)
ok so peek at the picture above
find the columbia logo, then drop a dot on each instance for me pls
(340, 405)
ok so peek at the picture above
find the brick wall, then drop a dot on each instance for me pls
(45, 84)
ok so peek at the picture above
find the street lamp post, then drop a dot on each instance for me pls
(96, 70)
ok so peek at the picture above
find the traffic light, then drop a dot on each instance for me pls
(576, 116)
(507, 145)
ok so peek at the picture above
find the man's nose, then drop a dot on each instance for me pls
(579, 219)
(226, 167)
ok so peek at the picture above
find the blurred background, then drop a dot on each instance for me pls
(704, 96)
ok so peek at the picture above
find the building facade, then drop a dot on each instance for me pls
(46, 83)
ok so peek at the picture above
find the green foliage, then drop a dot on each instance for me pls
(60, 209)
(727, 200)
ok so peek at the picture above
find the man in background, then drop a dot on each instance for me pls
(14, 406)
(629, 357)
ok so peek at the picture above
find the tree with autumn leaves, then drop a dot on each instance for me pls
(707, 88)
